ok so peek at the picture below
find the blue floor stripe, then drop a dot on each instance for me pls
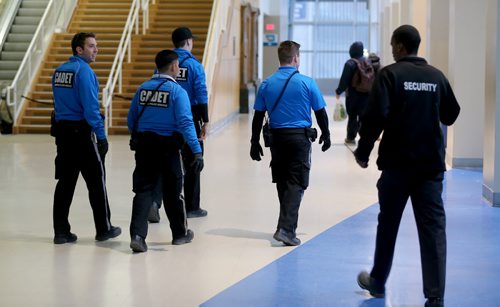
(322, 272)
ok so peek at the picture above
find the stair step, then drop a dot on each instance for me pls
(7, 74)
(23, 29)
(11, 55)
(27, 20)
(36, 120)
(7, 46)
(14, 65)
(32, 12)
(38, 111)
(19, 38)
(34, 4)
(35, 129)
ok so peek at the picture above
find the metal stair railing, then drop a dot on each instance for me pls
(49, 23)
(124, 48)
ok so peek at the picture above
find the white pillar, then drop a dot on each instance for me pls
(418, 19)
(438, 33)
(491, 163)
(467, 55)
(405, 12)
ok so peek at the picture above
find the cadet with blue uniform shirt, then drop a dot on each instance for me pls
(78, 122)
(288, 97)
(191, 77)
(160, 114)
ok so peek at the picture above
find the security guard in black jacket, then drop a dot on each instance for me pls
(408, 102)
(288, 97)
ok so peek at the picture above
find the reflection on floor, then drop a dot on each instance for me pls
(233, 260)
(322, 272)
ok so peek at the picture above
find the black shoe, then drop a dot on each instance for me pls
(65, 238)
(349, 142)
(365, 281)
(434, 302)
(197, 213)
(154, 213)
(112, 233)
(184, 239)
(288, 238)
(138, 244)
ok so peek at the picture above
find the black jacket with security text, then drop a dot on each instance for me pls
(408, 102)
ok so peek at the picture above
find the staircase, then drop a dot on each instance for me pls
(165, 16)
(19, 37)
(106, 18)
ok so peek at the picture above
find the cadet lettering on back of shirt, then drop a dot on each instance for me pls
(154, 98)
(63, 79)
(183, 74)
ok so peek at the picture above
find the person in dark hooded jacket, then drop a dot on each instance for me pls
(355, 101)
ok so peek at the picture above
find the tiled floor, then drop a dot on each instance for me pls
(233, 260)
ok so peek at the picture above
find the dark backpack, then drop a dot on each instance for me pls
(362, 80)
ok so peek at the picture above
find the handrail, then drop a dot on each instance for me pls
(34, 54)
(124, 47)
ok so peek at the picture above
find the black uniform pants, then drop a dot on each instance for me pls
(290, 166)
(355, 106)
(191, 179)
(157, 156)
(424, 189)
(77, 153)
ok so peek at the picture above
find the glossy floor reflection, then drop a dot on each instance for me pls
(323, 271)
(233, 260)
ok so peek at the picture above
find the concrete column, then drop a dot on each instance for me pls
(405, 6)
(467, 55)
(386, 31)
(418, 19)
(491, 164)
(438, 34)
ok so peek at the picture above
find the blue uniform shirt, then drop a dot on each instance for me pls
(192, 77)
(294, 108)
(76, 91)
(167, 111)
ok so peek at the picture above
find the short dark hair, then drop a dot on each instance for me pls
(180, 36)
(165, 58)
(287, 50)
(408, 36)
(79, 40)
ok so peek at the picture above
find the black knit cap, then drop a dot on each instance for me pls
(180, 34)
(356, 50)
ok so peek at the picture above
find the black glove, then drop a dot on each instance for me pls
(197, 164)
(326, 142)
(102, 147)
(256, 151)
(132, 144)
(361, 161)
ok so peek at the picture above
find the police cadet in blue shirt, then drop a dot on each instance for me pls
(291, 134)
(192, 78)
(78, 123)
(160, 112)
